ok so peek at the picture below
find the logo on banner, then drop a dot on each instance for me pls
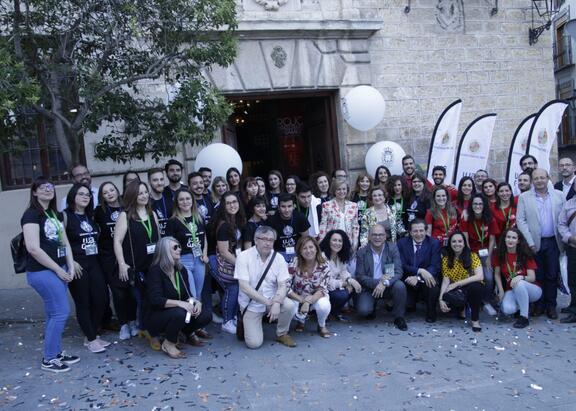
(524, 143)
(445, 138)
(543, 137)
(474, 146)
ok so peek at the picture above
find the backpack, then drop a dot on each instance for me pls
(18, 249)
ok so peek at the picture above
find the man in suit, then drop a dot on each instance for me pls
(420, 255)
(566, 170)
(537, 219)
(379, 271)
(567, 229)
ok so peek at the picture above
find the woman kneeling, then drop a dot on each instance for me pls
(174, 310)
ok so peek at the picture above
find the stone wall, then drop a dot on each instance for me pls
(423, 60)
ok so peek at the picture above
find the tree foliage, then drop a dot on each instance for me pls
(130, 69)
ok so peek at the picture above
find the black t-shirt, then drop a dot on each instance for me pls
(163, 208)
(417, 209)
(83, 233)
(49, 241)
(172, 193)
(250, 229)
(176, 229)
(205, 208)
(136, 252)
(288, 231)
(106, 219)
(224, 234)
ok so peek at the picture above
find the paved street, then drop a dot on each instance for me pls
(366, 365)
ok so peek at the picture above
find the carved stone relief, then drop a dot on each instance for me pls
(279, 56)
(271, 5)
(450, 14)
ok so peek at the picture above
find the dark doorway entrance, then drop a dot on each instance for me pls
(293, 133)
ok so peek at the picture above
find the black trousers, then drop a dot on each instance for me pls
(548, 271)
(423, 293)
(474, 293)
(89, 294)
(171, 321)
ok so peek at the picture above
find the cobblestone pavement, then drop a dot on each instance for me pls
(365, 365)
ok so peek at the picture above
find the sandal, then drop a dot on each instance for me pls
(155, 343)
(202, 333)
(324, 332)
(175, 355)
(194, 341)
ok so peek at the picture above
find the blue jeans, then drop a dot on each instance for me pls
(338, 299)
(54, 292)
(229, 301)
(196, 270)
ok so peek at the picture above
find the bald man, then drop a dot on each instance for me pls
(537, 219)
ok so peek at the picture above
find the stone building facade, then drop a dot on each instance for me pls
(420, 54)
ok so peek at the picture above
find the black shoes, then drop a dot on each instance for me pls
(400, 323)
(537, 311)
(55, 365)
(569, 320)
(67, 358)
(521, 322)
(430, 319)
(551, 313)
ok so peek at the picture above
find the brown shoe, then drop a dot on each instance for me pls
(155, 343)
(286, 340)
(202, 333)
(194, 341)
(172, 351)
(324, 332)
(551, 313)
(299, 327)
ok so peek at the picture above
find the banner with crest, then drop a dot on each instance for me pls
(518, 148)
(474, 147)
(543, 131)
(444, 138)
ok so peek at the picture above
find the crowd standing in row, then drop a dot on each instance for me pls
(283, 248)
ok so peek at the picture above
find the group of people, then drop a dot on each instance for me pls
(291, 250)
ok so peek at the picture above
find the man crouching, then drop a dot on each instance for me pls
(270, 297)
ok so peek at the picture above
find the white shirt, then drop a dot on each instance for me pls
(250, 267)
(566, 187)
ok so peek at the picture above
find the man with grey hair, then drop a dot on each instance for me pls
(379, 271)
(270, 298)
(537, 219)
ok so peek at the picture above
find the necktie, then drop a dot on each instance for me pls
(418, 245)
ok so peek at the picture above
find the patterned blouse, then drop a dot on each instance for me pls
(458, 272)
(333, 218)
(305, 284)
(338, 275)
(370, 219)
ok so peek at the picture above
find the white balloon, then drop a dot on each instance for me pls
(219, 158)
(385, 153)
(363, 107)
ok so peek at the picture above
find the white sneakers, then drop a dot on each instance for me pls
(124, 332)
(134, 330)
(94, 346)
(229, 327)
(489, 310)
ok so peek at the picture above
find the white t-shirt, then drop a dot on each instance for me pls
(250, 267)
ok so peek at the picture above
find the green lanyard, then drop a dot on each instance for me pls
(148, 227)
(177, 285)
(510, 272)
(507, 217)
(401, 210)
(54, 219)
(446, 221)
(480, 237)
(192, 227)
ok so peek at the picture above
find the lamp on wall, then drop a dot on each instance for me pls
(542, 11)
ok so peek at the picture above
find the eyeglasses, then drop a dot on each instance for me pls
(232, 202)
(266, 240)
(176, 247)
(84, 174)
(46, 187)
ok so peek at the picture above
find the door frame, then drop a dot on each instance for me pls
(330, 110)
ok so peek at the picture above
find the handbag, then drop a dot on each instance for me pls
(225, 269)
(456, 299)
(240, 323)
(18, 249)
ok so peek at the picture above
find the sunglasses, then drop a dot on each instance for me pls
(176, 247)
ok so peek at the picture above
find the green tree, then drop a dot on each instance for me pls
(109, 65)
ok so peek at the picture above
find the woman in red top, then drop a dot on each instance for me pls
(441, 219)
(480, 230)
(489, 190)
(466, 188)
(504, 210)
(515, 274)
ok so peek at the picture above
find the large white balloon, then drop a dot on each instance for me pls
(219, 158)
(363, 107)
(385, 153)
